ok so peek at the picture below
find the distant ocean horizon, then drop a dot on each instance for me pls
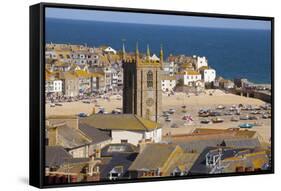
(233, 53)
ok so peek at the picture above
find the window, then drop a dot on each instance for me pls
(116, 148)
(149, 79)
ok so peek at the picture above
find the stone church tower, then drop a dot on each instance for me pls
(142, 94)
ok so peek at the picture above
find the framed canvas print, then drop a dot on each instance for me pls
(122, 95)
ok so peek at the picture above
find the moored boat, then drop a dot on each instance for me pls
(246, 125)
(217, 120)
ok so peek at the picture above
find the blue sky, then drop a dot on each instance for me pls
(143, 18)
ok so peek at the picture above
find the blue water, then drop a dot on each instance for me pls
(232, 52)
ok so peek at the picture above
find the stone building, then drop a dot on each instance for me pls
(142, 91)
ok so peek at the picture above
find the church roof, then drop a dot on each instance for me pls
(127, 122)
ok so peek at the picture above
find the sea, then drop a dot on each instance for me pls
(233, 53)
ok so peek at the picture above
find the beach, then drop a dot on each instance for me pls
(192, 102)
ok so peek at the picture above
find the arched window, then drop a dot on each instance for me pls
(149, 79)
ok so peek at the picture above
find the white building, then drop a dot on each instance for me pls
(168, 83)
(51, 54)
(200, 62)
(154, 58)
(209, 75)
(191, 76)
(126, 128)
(53, 86)
(170, 68)
(110, 50)
(108, 78)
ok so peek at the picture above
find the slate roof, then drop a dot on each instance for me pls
(94, 134)
(113, 149)
(184, 162)
(234, 131)
(118, 160)
(199, 145)
(241, 143)
(128, 122)
(152, 157)
(254, 159)
(199, 167)
(56, 156)
(71, 138)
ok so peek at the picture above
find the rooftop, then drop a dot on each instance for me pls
(127, 122)
(56, 156)
(153, 156)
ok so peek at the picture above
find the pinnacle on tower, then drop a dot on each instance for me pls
(147, 52)
(137, 52)
(161, 53)
(123, 51)
(161, 56)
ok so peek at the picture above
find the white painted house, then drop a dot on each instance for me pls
(51, 54)
(126, 128)
(168, 83)
(200, 62)
(170, 68)
(191, 76)
(209, 75)
(53, 86)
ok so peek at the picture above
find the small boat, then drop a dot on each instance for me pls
(168, 120)
(221, 107)
(265, 116)
(246, 125)
(166, 114)
(253, 118)
(254, 112)
(217, 120)
(204, 114)
(172, 111)
(228, 113)
(82, 115)
(215, 113)
(205, 121)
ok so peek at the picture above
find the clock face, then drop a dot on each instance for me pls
(149, 102)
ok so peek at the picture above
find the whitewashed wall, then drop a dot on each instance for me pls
(133, 137)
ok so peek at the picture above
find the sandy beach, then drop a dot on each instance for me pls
(193, 104)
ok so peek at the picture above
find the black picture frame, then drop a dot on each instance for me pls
(37, 89)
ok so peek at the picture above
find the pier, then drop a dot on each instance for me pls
(264, 95)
